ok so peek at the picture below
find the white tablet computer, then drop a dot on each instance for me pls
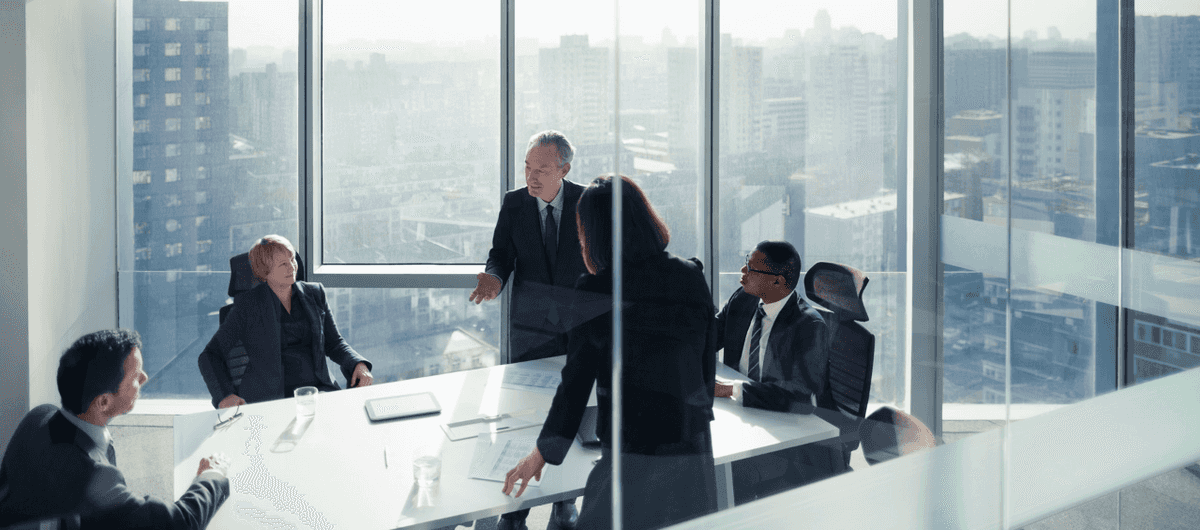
(390, 408)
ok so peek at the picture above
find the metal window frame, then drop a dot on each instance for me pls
(923, 320)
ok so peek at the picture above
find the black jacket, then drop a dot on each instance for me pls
(797, 359)
(52, 468)
(537, 291)
(253, 323)
(669, 364)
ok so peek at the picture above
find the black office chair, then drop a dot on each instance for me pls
(838, 288)
(241, 279)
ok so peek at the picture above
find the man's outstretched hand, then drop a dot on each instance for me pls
(487, 288)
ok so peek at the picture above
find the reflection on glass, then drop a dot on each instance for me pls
(195, 208)
(1166, 209)
(410, 333)
(410, 133)
(1053, 350)
(808, 151)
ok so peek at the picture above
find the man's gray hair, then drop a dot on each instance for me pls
(566, 151)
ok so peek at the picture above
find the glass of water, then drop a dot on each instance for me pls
(427, 468)
(306, 401)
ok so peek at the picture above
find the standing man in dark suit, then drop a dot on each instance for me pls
(537, 243)
(62, 463)
(770, 334)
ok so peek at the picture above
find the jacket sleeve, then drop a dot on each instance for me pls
(336, 347)
(571, 398)
(503, 255)
(112, 505)
(805, 372)
(212, 361)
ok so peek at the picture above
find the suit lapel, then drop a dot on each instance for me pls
(780, 332)
(530, 238)
(62, 429)
(740, 313)
(308, 305)
(270, 365)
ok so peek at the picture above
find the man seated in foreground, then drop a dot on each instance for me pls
(62, 463)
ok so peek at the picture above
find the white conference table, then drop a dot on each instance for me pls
(331, 472)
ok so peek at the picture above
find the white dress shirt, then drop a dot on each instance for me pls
(772, 310)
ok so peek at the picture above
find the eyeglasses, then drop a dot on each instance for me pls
(760, 271)
(237, 413)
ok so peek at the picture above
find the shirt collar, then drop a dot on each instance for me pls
(557, 202)
(97, 433)
(772, 309)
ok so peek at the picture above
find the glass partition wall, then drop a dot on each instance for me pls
(1066, 192)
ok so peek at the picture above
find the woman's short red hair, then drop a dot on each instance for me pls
(262, 254)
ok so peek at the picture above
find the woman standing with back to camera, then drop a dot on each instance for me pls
(668, 371)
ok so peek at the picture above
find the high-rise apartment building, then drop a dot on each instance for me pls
(180, 167)
(573, 84)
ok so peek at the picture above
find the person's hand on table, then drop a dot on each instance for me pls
(361, 376)
(218, 462)
(487, 288)
(723, 390)
(528, 468)
(232, 400)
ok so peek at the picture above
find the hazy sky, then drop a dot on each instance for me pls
(275, 22)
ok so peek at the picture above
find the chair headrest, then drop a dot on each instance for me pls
(838, 288)
(241, 277)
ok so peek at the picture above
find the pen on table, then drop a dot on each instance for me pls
(385, 458)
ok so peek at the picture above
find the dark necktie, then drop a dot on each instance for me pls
(112, 454)
(551, 236)
(755, 339)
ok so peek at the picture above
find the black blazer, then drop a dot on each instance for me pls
(52, 468)
(668, 370)
(797, 356)
(517, 249)
(254, 323)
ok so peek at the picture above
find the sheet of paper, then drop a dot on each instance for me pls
(493, 460)
(531, 379)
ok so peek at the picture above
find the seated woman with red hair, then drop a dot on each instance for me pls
(287, 331)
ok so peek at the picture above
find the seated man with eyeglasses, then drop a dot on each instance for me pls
(61, 463)
(770, 334)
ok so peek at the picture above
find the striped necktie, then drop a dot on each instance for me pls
(755, 339)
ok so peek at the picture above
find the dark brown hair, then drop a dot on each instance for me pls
(644, 233)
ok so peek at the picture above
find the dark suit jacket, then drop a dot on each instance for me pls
(541, 297)
(52, 468)
(797, 356)
(254, 323)
(668, 366)
(667, 380)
